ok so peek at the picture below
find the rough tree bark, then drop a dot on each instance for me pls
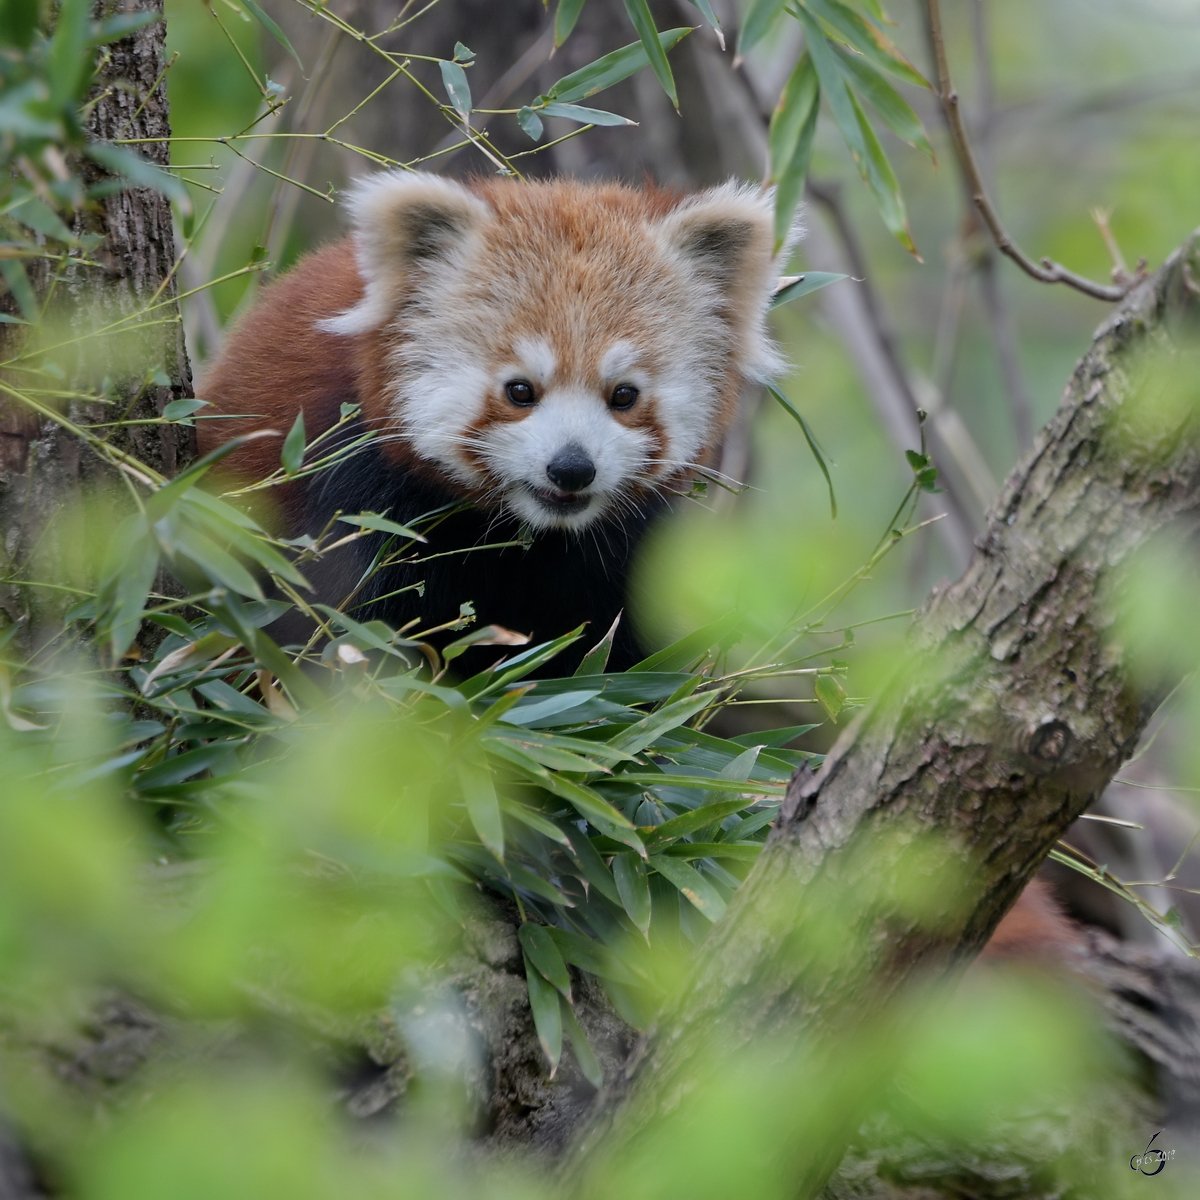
(1012, 713)
(44, 471)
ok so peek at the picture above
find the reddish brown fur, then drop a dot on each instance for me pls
(269, 373)
(1035, 928)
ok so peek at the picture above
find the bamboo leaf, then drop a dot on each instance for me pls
(639, 14)
(120, 160)
(633, 885)
(454, 79)
(793, 126)
(220, 567)
(541, 950)
(547, 1014)
(167, 496)
(368, 520)
(699, 783)
(867, 38)
(895, 112)
(591, 864)
(546, 756)
(589, 1064)
(292, 455)
(691, 647)
(687, 822)
(811, 439)
(177, 410)
(760, 16)
(539, 709)
(706, 8)
(565, 17)
(40, 217)
(273, 29)
(608, 820)
(585, 116)
(739, 853)
(883, 183)
(13, 271)
(112, 29)
(128, 576)
(802, 285)
(596, 659)
(645, 732)
(831, 694)
(530, 122)
(612, 68)
(483, 805)
(222, 521)
(535, 821)
(691, 883)
(488, 635)
(834, 89)
(269, 655)
(68, 63)
(591, 956)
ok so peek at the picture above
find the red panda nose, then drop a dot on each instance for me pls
(571, 469)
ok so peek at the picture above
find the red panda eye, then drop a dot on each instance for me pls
(623, 397)
(520, 392)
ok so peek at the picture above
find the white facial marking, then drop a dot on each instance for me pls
(436, 405)
(619, 358)
(537, 359)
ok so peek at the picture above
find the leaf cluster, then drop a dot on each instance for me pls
(846, 61)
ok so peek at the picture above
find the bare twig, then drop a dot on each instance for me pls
(1049, 271)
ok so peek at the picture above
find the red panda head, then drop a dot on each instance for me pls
(561, 349)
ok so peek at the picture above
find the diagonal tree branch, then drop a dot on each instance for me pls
(1049, 271)
(1010, 715)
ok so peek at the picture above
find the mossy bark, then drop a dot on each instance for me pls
(45, 473)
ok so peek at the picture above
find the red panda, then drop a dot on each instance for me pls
(558, 354)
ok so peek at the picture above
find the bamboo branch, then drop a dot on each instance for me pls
(1049, 271)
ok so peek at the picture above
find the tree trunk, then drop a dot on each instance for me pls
(45, 473)
(1012, 712)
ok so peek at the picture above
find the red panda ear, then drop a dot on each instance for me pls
(725, 237)
(401, 219)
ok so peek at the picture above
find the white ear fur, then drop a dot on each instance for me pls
(725, 238)
(401, 219)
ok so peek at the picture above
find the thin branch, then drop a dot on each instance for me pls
(1050, 271)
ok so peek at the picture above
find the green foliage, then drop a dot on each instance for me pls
(844, 59)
